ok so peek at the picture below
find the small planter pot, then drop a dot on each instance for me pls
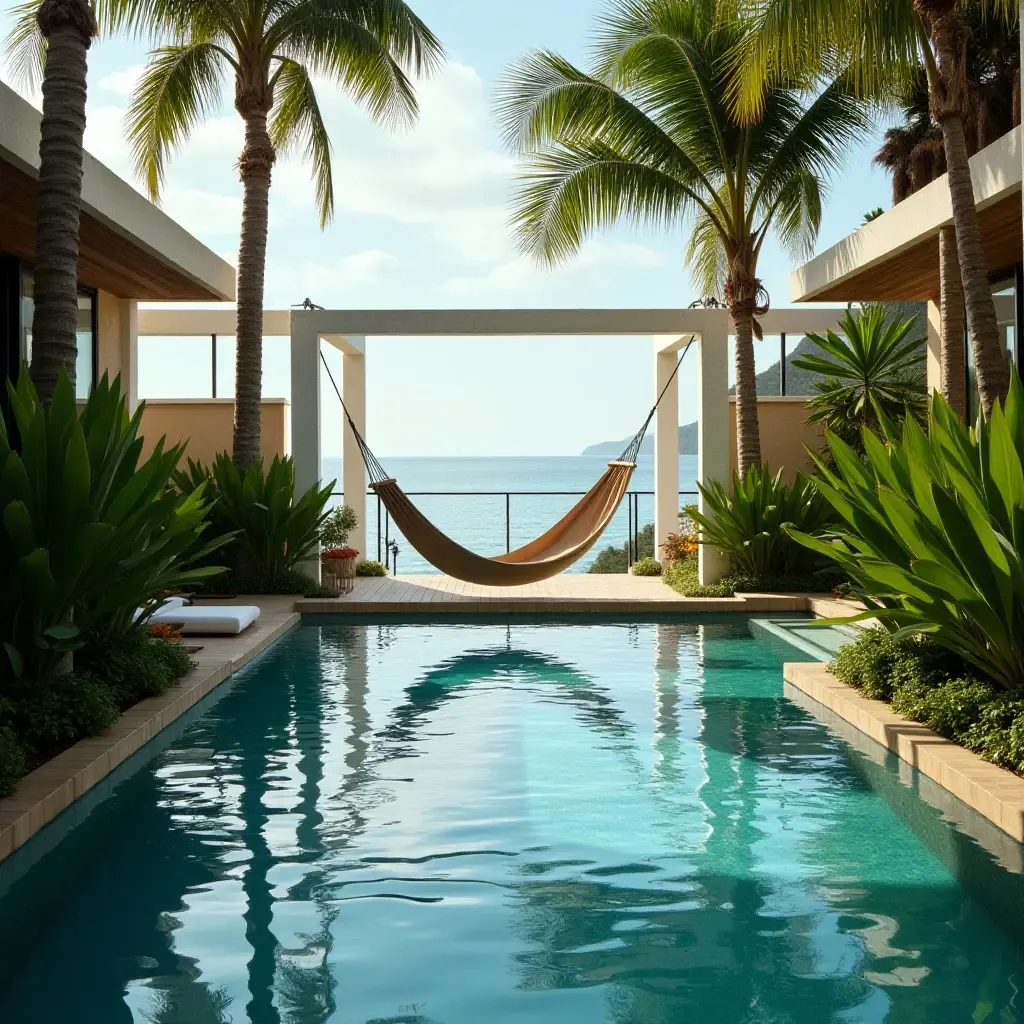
(338, 574)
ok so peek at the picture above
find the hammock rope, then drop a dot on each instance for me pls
(551, 553)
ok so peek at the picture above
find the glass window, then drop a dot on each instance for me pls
(84, 366)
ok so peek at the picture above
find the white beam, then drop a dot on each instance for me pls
(191, 323)
(305, 415)
(353, 390)
(934, 349)
(666, 448)
(346, 344)
(713, 432)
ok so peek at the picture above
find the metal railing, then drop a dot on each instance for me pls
(632, 501)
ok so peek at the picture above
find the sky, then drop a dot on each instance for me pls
(421, 221)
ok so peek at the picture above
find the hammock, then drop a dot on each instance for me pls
(551, 553)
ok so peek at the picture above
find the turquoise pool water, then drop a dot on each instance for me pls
(488, 824)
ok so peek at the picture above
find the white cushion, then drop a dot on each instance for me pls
(208, 619)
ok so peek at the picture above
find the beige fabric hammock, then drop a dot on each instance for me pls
(551, 553)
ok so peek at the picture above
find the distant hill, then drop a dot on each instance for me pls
(798, 382)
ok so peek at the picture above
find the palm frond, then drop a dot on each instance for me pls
(706, 258)
(177, 90)
(25, 47)
(570, 190)
(297, 121)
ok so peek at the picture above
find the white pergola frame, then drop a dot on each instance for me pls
(671, 329)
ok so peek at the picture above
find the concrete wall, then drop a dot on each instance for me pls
(784, 435)
(208, 423)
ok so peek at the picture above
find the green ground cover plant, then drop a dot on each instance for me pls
(648, 566)
(371, 567)
(615, 558)
(930, 684)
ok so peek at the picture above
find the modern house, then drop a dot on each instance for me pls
(896, 256)
(131, 252)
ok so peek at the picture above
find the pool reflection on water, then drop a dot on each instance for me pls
(453, 824)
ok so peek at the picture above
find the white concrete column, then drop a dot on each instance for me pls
(666, 449)
(933, 365)
(713, 429)
(353, 390)
(129, 352)
(305, 413)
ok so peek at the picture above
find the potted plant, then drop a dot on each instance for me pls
(337, 559)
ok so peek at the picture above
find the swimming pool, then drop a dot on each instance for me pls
(458, 824)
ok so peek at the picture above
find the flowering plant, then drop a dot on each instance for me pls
(332, 553)
(164, 631)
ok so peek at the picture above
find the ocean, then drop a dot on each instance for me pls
(477, 521)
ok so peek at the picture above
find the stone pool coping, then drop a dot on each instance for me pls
(994, 792)
(54, 786)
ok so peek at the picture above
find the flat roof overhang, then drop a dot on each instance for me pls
(896, 256)
(128, 246)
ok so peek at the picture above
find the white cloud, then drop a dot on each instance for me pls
(372, 266)
(121, 82)
(522, 277)
(444, 173)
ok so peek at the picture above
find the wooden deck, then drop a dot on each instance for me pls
(581, 593)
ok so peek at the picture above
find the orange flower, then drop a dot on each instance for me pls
(162, 631)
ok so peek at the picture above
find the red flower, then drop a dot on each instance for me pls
(330, 554)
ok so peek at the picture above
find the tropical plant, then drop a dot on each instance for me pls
(874, 369)
(371, 568)
(269, 528)
(53, 38)
(649, 136)
(750, 524)
(272, 49)
(337, 526)
(687, 541)
(872, 215)
(879, 45)
(933, 531)
(91, 532)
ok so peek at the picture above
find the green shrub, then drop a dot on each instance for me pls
(930, 684)
(933, 531)
(267, 528)
(49, 716)
(682, 576)
(13, 760)
(90, 533)
(647, 567)
(371, 568)
(749, 525)
(137, 665)
(616, 559)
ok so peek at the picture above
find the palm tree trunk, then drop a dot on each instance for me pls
(989, 358)
(748, 434)
(68, 27)
(255, 166)
(954, 372)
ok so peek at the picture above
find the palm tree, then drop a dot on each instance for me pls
(56, 33)
(914, 154)
(879, 44)
(272, 49)
(649, 136)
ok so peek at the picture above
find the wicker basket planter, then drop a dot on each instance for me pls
(338, 572)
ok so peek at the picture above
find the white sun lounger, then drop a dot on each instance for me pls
(205, 620)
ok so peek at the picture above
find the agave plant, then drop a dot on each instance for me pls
(750, 524)
(873, 370)
(271, 528)
(90, 534)
(933, 531)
